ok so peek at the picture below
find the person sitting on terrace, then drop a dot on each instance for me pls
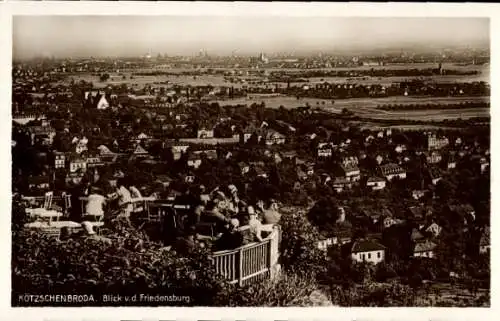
(134, 192)
(187, 243)
(231, 238)
(214, 214)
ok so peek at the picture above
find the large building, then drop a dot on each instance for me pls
(434, 142)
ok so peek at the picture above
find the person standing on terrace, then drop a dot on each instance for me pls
(95, 203)
(271, 214)
(124, 199)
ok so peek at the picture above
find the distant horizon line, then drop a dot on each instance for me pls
(292, 53)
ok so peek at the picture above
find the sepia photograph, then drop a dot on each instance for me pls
(250, 161)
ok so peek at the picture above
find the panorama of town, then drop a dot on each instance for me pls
(252, 180)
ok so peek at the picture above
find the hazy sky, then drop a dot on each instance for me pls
(136, 35)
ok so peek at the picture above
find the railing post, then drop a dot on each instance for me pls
(271, 257)
(240, 267)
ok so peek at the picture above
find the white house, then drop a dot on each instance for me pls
(205, 133)
(104, 150)
(325, 150)
(76, 164)
(60, 160)
(389, 171)
(434, 229)
(424, 249)
(140, 151)
(81, 146)
(351, 172)
(194, 160)
(103, 103)
(367, 251)
(94, 161)
(274, 138)
(376, 183)
(178, 149)
(142, 136)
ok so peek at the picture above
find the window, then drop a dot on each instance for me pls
(378, 255)
(369, 255)
(363, 257)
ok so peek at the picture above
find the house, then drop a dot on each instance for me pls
(75, 177)
(391, 170)
(194, 160)
(59, 160)
(419, 213)
(484, 242)
(484, 165)
(390, 221)
(94, 161)
(367, 251)
(45, 134)
(274, 138)
(244, 168)
(325, 242)
(39, 182)
(400, 148)
(163, 180)
(416, 235)
(104, 150)
(375, 183)
(435, 142)
(178, 149)
(434, 229)
(102, 102)
(139, 151)
(260, 172)
(289, 155)
(424, 249)
(435, 175)
(433, 157)
(325, 150)
(418, 194)
(351, 172)
(340, 184)
(325, 178)
(77, 163)
(209, 154)
(80, 147)
(142, 136)
(205, 133)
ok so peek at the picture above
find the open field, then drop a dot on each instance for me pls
(117, 78)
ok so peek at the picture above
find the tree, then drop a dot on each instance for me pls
(104, 77)
(324, 214)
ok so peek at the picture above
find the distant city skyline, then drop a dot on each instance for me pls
(84, 36)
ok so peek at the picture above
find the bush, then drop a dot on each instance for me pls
(299, 245)
(125, 264)
(285, 291)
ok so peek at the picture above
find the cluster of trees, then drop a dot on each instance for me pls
(412, 88)
(429, 106)
(372, 72)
